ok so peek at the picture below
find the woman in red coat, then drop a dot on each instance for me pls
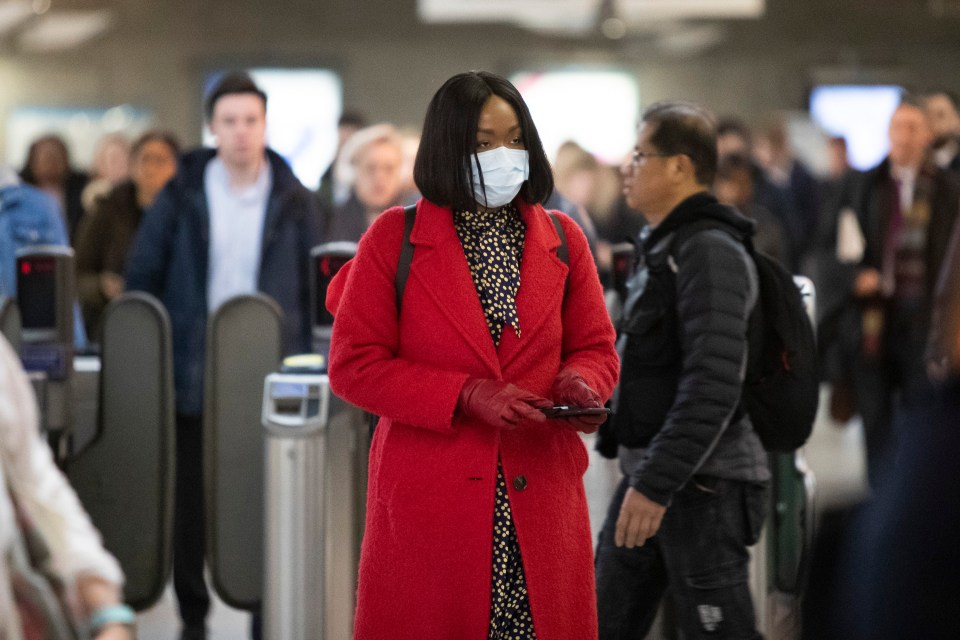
(477, 521)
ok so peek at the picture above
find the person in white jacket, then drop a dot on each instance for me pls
(31, 482)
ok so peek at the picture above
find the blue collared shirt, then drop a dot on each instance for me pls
(236, 232)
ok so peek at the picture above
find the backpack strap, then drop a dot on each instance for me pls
(406, 254)
(563, 251)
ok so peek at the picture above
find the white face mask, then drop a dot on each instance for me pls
(504, 171)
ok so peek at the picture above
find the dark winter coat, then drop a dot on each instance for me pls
(170, 258)
(874, 207)
(102, 245)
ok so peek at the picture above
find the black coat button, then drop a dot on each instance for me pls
(520, 483)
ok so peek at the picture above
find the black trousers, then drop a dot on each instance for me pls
(189, 533)
(700, 553)
(888, 387)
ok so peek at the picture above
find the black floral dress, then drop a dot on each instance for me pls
(493, 244)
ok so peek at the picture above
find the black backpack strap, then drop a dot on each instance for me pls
(563, 251)
(406, 254)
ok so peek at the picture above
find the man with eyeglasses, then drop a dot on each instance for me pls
(696, 483)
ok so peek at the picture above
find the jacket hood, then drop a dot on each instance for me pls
(698, 207)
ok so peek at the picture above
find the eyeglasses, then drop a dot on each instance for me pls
(642, 155)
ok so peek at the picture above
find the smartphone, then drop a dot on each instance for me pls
(566, 411)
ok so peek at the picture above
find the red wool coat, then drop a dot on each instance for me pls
(426, 561)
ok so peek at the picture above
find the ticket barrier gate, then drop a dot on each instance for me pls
(326, 260)
(125, 476)
(46, 297)
(263, 488)
(243, 346)
(317, 450)
(296, 409)
(10, 322)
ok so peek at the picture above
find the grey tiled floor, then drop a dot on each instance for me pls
(834, 453)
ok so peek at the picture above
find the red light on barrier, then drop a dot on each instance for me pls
(330, 265)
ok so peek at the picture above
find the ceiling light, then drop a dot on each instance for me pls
(690, 41)
(613, 28)
(13, 13)
(632, 10)
(64, 30)
(572, 16)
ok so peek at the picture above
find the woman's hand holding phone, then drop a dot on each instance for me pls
(567, 411)
(570, 389)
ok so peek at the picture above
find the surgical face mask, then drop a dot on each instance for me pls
(504, 171)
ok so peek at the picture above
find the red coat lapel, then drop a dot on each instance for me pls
(542, 276)
(440, 265)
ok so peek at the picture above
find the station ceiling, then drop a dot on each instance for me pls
(845, 27)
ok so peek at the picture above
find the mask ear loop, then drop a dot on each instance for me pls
(483, 186)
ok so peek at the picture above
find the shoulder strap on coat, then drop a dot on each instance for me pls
(562, 251)
(406, 254)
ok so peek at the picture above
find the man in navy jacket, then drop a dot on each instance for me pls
(234, 220)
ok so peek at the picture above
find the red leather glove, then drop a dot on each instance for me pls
(500, 404)
(571, 389)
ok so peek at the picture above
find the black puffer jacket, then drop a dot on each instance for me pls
(702, 328)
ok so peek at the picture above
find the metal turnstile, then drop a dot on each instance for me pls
(295, 415)
(10, 322)
(316, 488)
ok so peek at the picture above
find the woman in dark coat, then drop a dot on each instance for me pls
(477, 522)
(48, 168)
(106, 233)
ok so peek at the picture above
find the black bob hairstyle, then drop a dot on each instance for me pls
(233, 83)
(442, 168)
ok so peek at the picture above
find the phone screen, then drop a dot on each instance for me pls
(566, 411)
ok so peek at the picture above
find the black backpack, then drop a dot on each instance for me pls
(782, 388)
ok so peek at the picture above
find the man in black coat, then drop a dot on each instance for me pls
(696, 482)
(943, 112)
(234, 220)
(906, 209)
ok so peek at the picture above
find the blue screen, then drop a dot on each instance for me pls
(859, 113)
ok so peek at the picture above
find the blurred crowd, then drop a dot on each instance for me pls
(832, 226)
(880, 245)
